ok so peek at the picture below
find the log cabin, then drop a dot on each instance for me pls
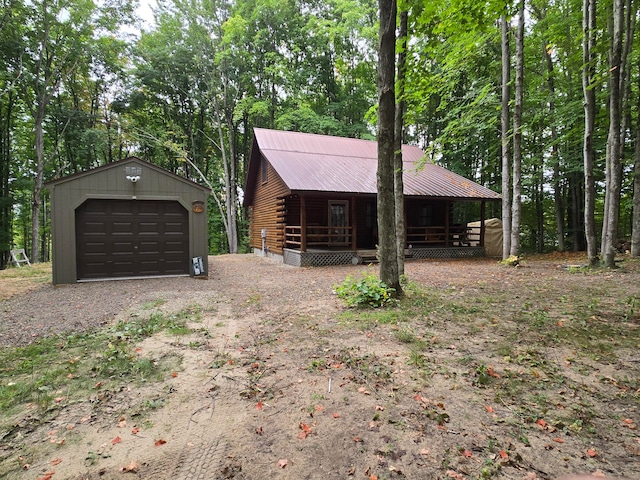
(312, 201)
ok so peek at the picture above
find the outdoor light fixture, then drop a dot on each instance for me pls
(132, 173)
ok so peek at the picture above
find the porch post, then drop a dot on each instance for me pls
(482, 215)
(354, 225)
(303, 224)
(447, 212)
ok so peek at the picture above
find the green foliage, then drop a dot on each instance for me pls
(367, 291)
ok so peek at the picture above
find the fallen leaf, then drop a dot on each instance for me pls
(558, 440)
(160, 442)
(467, 453)
(174, 374)
(116, 440)
(492, 373)
(55, 461)
(319, 408)
(131, 467)
(488, 408)
(503, 454)
(591, 452)
(135, 430)
(259, 406)
(283, 462)
(97, 385)
(336, 415)
(48, 475)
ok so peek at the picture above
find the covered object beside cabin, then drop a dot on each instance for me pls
(127, 219)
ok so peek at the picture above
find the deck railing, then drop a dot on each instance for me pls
(441, 236)
(318, 236)
(432, 236)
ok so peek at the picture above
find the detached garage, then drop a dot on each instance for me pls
(127, 219)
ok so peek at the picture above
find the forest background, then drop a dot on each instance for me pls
(84, 83)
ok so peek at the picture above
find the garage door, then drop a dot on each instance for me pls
(131, 238)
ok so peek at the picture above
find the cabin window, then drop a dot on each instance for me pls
(263, 168)
(425, 216)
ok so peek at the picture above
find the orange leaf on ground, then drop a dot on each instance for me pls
(259, 406)
(174, 374)
(559, 440)
(135, 430)
(116, 440)
(503, 454)
(488, 408)
(160, 442)
(336, 415)
(131, 467)
(467, 453)
(283, 462)
(319, 408)
(55, 461)
(492, 373)
(48, 475)
(540, 422)
(591, 452)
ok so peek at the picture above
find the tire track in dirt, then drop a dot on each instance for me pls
(197, 445)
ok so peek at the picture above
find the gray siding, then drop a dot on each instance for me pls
(109, 182)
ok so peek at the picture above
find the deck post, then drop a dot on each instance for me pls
(303, 224)
(447, 212)
(482, 227)
(354, 224)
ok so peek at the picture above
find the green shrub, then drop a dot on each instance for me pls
(367, 291)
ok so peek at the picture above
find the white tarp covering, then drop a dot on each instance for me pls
(492, 236)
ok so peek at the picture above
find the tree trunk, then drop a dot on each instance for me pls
(614, 162)
(385, 178)
(398, 141)
(555, 156)
(517, 136)
(588, 56)
(506, 156)
(38, 180)
(635, 223)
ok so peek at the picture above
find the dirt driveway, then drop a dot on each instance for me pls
(278, 380)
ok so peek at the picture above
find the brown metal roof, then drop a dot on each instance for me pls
(309, 162)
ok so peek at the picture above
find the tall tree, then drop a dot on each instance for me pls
(588, 74)
(614, 151)
(516, 208)
(398, 169)
(385, 177)
(506, 137)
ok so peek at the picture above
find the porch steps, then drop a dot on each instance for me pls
(371, 256)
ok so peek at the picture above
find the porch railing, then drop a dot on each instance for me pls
(318, 236)
(432, 236)
(453, 236)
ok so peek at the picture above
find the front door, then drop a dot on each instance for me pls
(338, 220)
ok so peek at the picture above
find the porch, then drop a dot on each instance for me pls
(330, 245)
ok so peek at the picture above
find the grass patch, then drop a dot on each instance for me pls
(15, 281)
(62, 369)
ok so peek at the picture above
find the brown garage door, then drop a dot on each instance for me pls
(131, 238)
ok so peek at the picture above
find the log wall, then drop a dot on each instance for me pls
(268, 211)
